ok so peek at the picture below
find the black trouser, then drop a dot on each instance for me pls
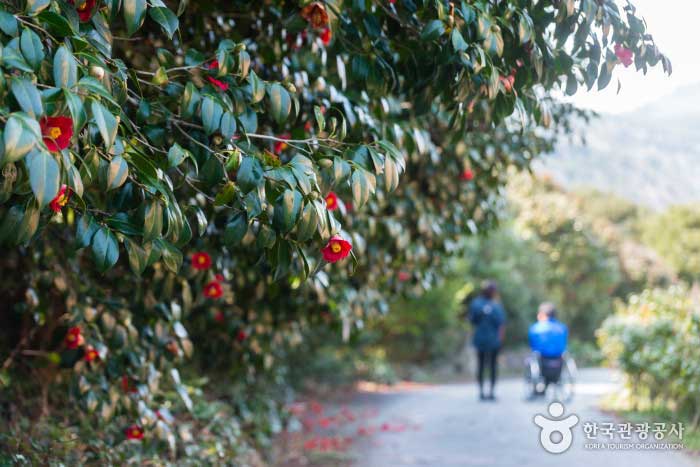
(489, 358)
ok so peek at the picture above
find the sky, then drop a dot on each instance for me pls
(673, 24)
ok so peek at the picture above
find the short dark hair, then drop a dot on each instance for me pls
(489, 289)
(548, 309)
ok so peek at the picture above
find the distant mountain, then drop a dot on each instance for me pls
(650, 156)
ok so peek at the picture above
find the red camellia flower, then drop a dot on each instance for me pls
(56, 132)
(213, 290)
(219, 278)
(624, 55)
(84, 9)
(326, 36)
(91, 354)
(74, 338)
(507, 82)
(127, 385)
(213, 65)
(467, 175)
(404, 276)
(219, 84)
(315, 13)
(60, 200)
(281, 145)
(241, 336)
(331, 201)
(201, 261)
(219, 316)
(134, 432)
(336, 249)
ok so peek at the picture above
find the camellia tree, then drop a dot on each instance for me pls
(177, 175)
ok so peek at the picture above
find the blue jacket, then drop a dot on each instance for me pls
(548, 338)
(487, 316)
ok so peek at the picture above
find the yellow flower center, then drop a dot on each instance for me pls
(54, 132)
(330, 201)
(135, 432)
(71, 337)
(62, 201)
(82, 7)
(201, 260)
(336, 248)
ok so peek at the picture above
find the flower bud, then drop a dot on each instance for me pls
(97, 72)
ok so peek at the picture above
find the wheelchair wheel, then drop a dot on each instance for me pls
(531, 379)
(565, 387)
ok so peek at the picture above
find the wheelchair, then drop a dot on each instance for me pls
(552, 378)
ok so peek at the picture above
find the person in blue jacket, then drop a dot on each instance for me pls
(548, 338)
(488, 318)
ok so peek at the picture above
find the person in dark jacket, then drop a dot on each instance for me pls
(488, 318)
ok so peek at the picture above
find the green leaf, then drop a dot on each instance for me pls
(525, 27)
(176, 155)
(166, 18)
(75, 181)
(250, 174)
(362, 186)
(605, 75)
(341, 169)
(226, 194)
(320, 119)
(77, 110)
(21, 134)
(85, 230)
(280, 102)
(29, 225)
(152, 221)
(493, 42)
(228, 126)
(8, 23)
(243, 63)
(65, 68)
(10, 224)
(134, 12)
(433, 30)
(57, 24)
(287, 209)
(138, 259)
(211, 115)
(32, 48)
(249, 120)
(257, 88)
(12, 57)
(117, 173)
(27, 96)
(391, 173)
(44, 176)
(105, 249)
(235, 230)
(190, 99)
(171, 256)
(201, 219)
(308, 223)
(458, 42)
(35, 6)
(105, 122)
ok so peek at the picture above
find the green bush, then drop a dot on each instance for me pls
(654, 339)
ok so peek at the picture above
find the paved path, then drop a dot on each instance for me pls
(450, 427)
